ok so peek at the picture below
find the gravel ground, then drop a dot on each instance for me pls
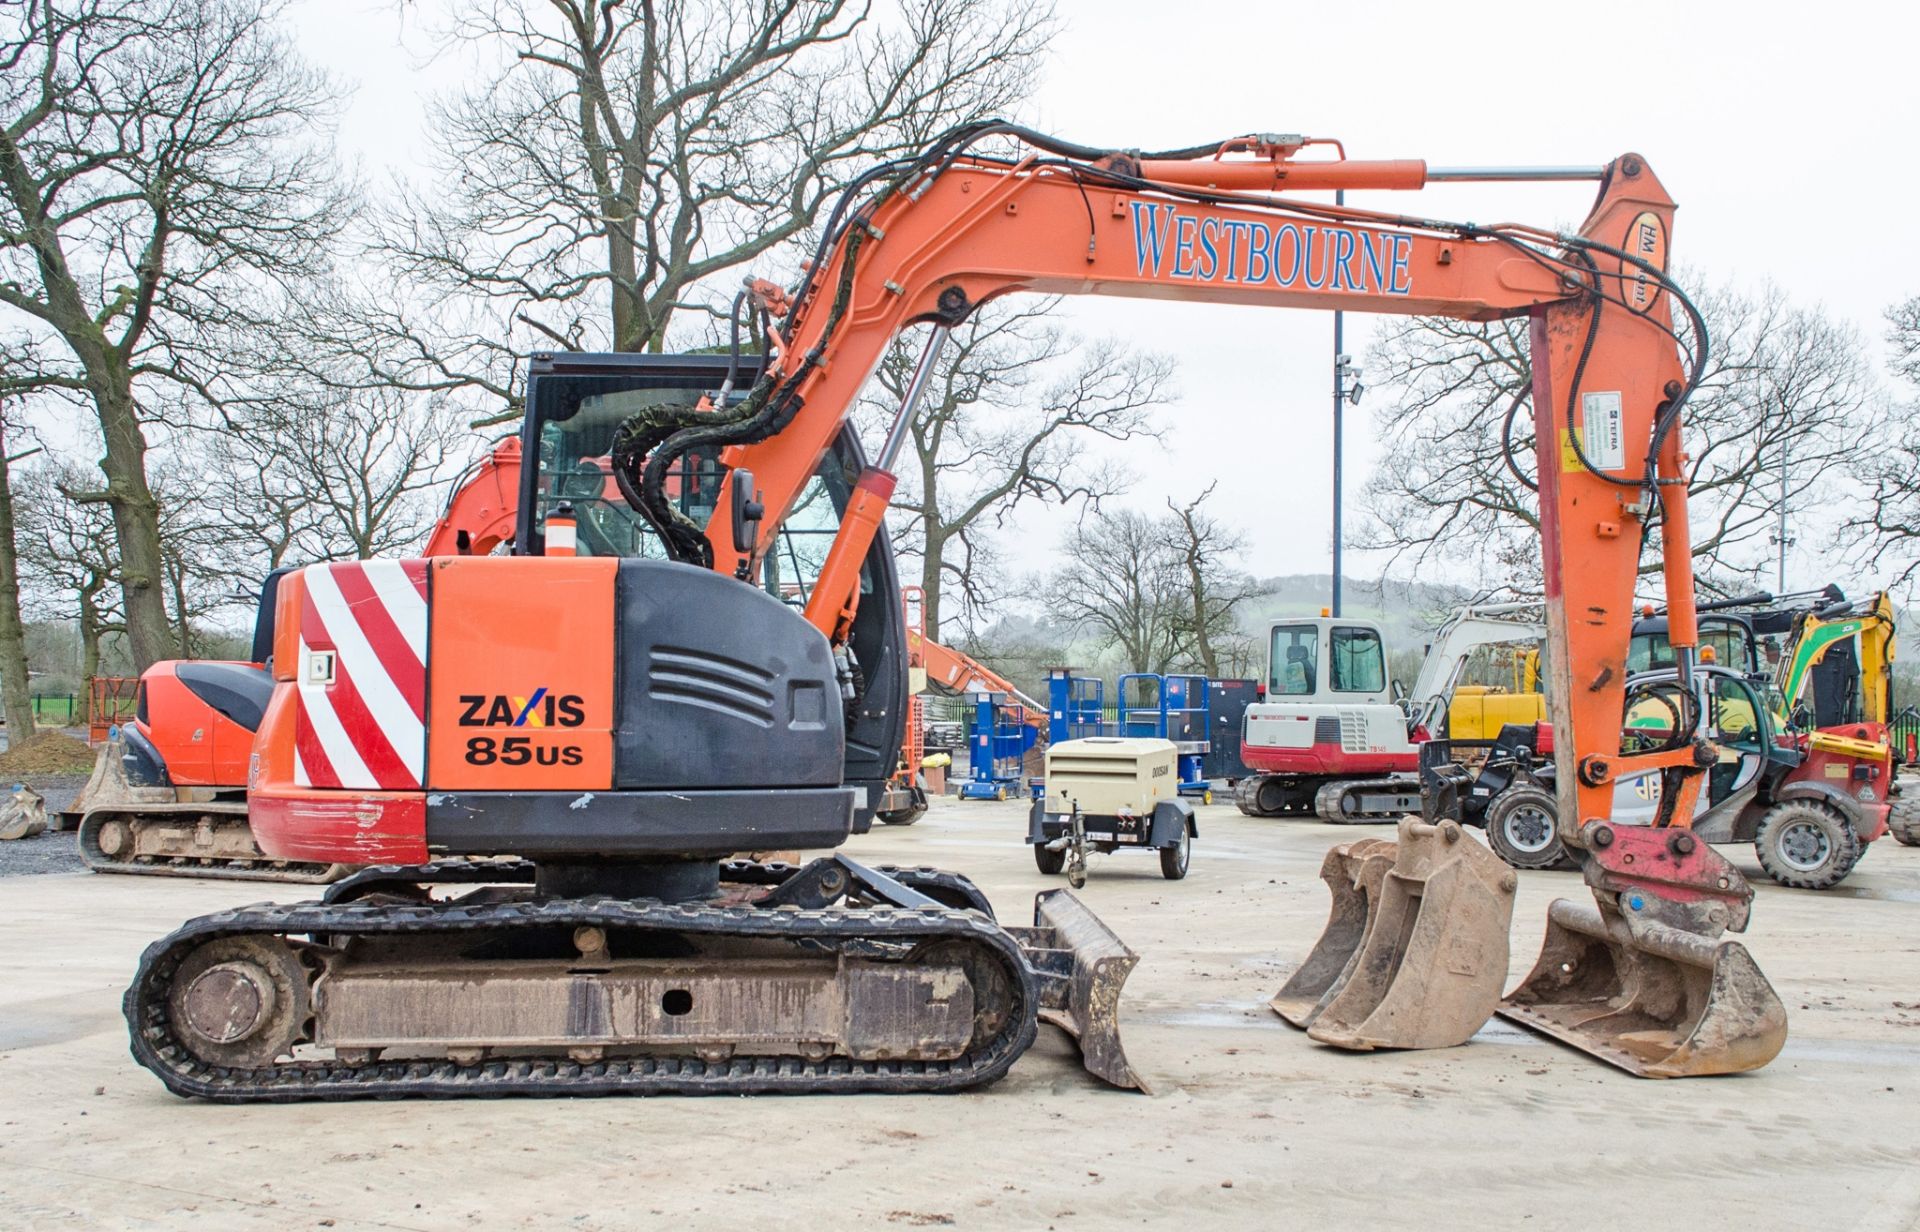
(51, 852)
(1252, 1125)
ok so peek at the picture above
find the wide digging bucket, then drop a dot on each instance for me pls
(1353, 872)
(1081, 967)
(1434, 958)
(1648, 981)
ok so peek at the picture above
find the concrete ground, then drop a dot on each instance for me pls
(1253, 1126)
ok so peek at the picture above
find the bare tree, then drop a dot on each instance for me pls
(1212, 589)
(69, 563)
(1889, 472)
(1008, 417)
(622, 151)
(1123, 583)
(340, 474)
(1776, 418)
(158, 167)
(16, 689)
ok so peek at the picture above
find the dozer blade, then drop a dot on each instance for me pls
(1434, 957)
(1353, 873)
(1081, 966)
(1647, 981)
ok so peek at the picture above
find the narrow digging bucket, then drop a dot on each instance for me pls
(1430, 970)
(1082, 967)
(23, 815)
(1353, 872)
(1649, 982)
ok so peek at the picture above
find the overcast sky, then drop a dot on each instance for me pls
(1784, 132)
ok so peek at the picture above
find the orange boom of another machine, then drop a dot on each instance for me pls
(620, 725)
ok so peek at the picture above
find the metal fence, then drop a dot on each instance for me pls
(1905, 732)
(58, 709)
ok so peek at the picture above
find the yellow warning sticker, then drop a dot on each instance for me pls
(1601, 434)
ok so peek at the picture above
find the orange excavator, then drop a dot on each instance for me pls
(168, 792)
(609, 729)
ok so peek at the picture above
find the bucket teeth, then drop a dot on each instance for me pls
(1648, 981)
(1431, 952)
(1082, 967)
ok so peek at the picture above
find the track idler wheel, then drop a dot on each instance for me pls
(240, 1001)
(1646, 979)
(1432, 957)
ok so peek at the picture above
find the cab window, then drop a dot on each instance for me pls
(1293, 661)
(573, 470)
(1356, 662)
(1733, 718)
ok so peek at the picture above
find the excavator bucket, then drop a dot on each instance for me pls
(1353, 873)
(1433, 955)
(23, 815)
(1082, 967)
(1647, 981)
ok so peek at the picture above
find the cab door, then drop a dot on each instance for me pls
(1734, 717)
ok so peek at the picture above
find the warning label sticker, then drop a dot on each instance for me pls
(1602, 431)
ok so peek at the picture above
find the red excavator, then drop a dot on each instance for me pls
(607, 729)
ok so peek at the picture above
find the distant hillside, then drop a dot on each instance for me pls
(1406, 611)
(1023, 647)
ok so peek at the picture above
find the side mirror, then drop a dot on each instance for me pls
(746, 513)
(1399, 691)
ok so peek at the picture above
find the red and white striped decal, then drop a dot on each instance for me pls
(362, 676)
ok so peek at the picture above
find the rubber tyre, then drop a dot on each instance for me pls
(1903, 821)
(1048, 862)
(1513, 829)
(1806, 845)
(1173, 860)
(903, 817)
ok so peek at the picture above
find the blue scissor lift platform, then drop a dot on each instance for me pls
(998, 747)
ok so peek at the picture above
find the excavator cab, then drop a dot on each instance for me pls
(575, 404)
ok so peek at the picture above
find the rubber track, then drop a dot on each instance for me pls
(1326, 801)
(155, 1046)
(265, 869)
